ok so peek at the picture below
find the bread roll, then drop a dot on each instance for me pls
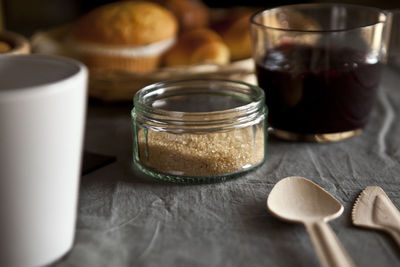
(191, 14)
(198, 47)
(237, 37)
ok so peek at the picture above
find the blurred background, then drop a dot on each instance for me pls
(28, 16)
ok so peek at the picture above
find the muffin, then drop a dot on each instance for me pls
(191, 14)
(198, 47)
(126, 35)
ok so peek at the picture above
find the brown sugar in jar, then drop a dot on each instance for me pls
(199, 130)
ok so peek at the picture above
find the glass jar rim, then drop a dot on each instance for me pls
(162, 119)
(377, 10)
(139, 96)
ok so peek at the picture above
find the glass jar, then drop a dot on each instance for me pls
(195, 131)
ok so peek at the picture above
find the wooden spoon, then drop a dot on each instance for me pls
(297, 199)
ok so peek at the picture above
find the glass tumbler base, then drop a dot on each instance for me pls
(317, 138)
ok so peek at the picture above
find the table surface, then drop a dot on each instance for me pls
(125, 219)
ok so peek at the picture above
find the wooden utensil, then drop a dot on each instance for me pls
(373, 209)
(297, 199)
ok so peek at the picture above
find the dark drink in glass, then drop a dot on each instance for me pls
(320, 67)
(315, 90)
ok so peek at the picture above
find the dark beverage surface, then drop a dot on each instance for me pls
(318, 90)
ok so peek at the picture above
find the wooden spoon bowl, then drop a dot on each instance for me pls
(297, 199)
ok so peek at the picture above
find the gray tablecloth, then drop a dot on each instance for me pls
(126, 220)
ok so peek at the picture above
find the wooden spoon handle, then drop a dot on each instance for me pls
(329, 250)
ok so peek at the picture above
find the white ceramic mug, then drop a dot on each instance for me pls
(42, 114)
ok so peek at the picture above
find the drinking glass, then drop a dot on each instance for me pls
(320, 66)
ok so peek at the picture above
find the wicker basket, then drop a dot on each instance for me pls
(116, 86)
